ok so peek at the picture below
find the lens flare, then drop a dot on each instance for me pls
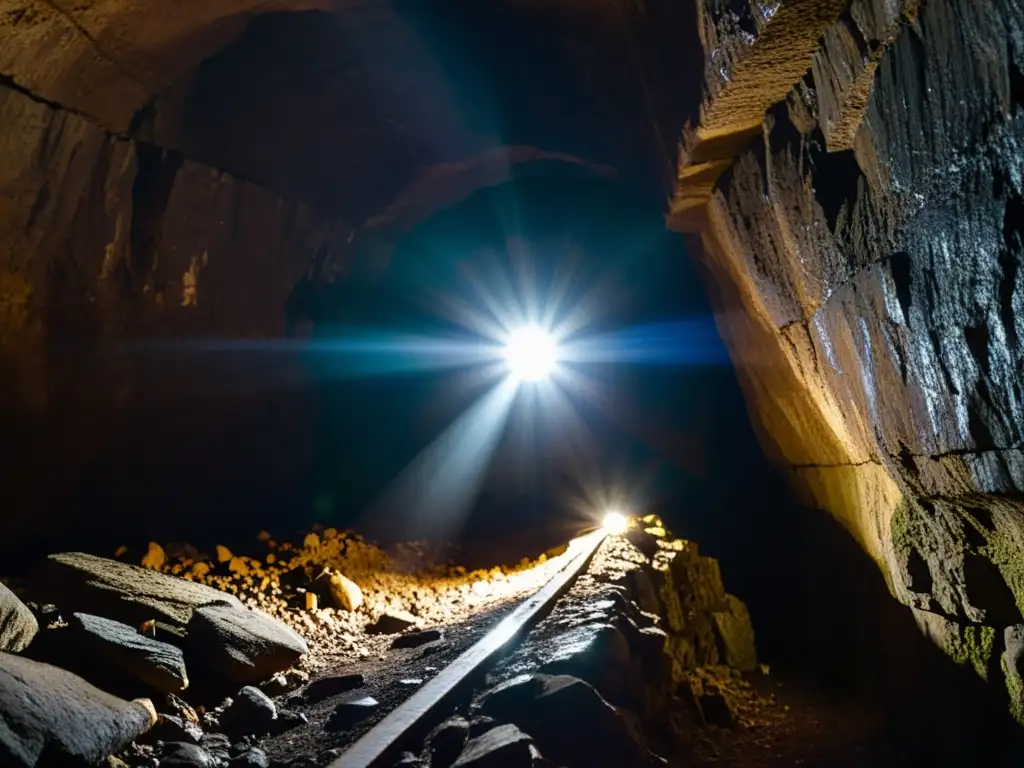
(531, 353)
(615, 523)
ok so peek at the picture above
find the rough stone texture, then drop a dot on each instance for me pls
(242, 645)
(872, 300)
(572, 724)
(18, 625)
(735, 635)
(104, 243)
(119, 646)
(107, 58)
(75, 581)
(502, 746)
(844, 67)
(251, 713)
(754, 52)
(52, 717)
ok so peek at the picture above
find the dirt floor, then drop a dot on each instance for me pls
(785, 722)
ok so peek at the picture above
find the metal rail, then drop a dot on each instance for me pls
(384, 740)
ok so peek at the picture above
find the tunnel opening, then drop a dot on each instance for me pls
(311, 204)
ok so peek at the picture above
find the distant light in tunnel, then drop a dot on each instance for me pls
(615, 523)
(531, 353)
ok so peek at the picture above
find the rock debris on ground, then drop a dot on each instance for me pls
(286, 655)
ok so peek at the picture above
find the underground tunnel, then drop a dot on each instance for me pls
(624, 383)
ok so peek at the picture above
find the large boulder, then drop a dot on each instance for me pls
(242, 645)
(75, 581)
(49, 716)
(123, 648)
(17, 624)
(569, 720)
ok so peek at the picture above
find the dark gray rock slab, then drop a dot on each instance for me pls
(75, 581)
(48, 714)
(250, 713)
(351, 712)
(240, 644)
(122, 647)
(325, 687)
(18, 625)
(391, 623)
(569, 720)
(416, 639)
(598, 654)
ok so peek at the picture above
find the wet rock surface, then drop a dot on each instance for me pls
(864, 251)
(51, 715)
(242, 645)
(123, 648)
(18, 625)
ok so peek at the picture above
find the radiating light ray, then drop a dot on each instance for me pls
(433, 494)
(353, 355)
(680, 342)
(462, 312)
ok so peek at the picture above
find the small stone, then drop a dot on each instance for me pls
(184, 755)
(288, 719)
(251, 713)
(283, 682)
(252, 757)
(311, 602)
(416, 639)
(155, 557)
(351, 712)
(410, 682)
(326, 687)
(344, 592)
(201, 570)
(175, 729)
(502, 746)
(224, 554)
(391, 622)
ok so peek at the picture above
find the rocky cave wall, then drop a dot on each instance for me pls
(109, 247)
(168, 176)
(862, 243)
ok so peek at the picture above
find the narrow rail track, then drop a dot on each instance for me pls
(383, 743)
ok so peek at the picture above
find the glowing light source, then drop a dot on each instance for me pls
(615, 523)
(531, 353)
